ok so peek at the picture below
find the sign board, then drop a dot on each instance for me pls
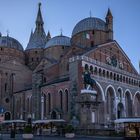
(2, 110)
(93, 117)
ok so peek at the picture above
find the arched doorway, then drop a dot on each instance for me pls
(120, 110)
(110, 103)
(128, 104)
(7, 115)
(53, 115)
(137, 104)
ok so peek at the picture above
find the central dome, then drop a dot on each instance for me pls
(58, 41)
(90, 23)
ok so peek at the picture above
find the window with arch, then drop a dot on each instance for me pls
(120, 93)
(118, 77)
(103, 73)
(49, 102)
(45, 103)
(95, 70)
(114, 76)
(66, 100)
(132, 81)
(124, 79)
(91, 69)
(111, 75)
(107, 74)
(127, 80)
(61, 100)
(100, 71)
(86, 66)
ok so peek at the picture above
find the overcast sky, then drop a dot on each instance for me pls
(18, 17)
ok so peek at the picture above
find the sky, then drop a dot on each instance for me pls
(17, 17)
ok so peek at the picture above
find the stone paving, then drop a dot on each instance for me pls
(19, 137)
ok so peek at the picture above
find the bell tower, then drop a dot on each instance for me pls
(109, 25)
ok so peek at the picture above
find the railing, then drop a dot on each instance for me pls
(109, 67)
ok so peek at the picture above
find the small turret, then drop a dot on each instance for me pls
(109, 24)
(48, 36)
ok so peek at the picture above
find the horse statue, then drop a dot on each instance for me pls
(88, 80)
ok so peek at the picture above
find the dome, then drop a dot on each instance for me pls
(6, 41)
(90, 23)
(58, 41)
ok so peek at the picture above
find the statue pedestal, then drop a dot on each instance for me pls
(87, 91)
(88, 106)
(89, 94)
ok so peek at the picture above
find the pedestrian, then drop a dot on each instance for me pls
(40, 131)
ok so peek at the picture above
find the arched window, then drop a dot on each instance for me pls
(118, 77)
(100, 71)
(91, 69)
(124, 79)
(127, 80)
(95, 70)
(103, 73)
(61, 100)
(66, 100)
(114, 76)
(111, 75)
(49, 102)
(131, 81)
(107, 74)
(86, 66)
(45, 103)
(120, 93)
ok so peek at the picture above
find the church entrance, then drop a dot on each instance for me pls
(120, 111)
(53, 115)
(7, 115)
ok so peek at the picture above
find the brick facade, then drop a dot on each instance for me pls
(46, 82)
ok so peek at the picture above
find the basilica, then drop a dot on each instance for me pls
(87, 76)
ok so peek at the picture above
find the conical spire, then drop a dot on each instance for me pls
(48, 36)
(39, 19)
(38, 37)
(109, 14)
